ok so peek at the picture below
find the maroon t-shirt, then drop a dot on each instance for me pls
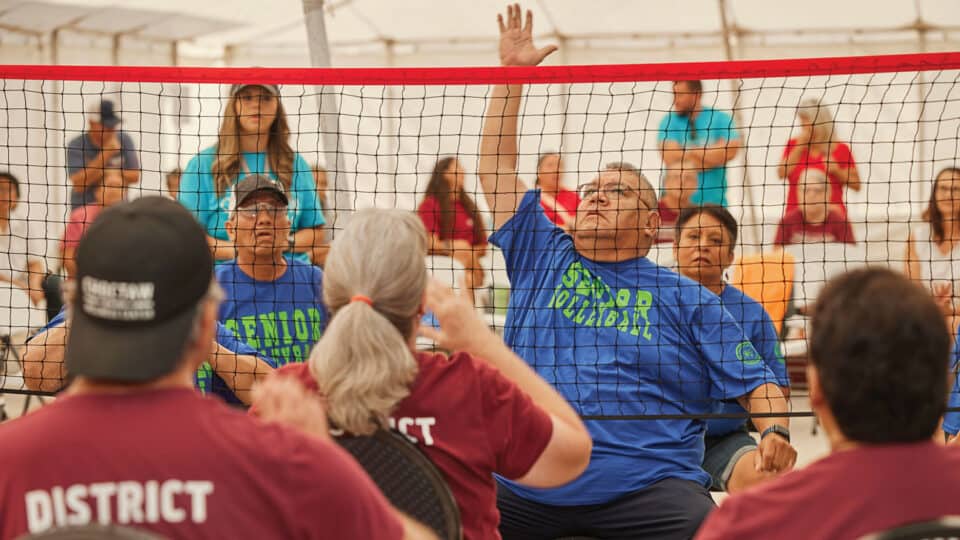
(429, 212)
(181, 465)
(794, 229)
(471, 422)
(845, 495)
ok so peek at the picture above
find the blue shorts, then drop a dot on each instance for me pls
(723, 452)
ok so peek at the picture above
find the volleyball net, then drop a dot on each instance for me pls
(880, 129)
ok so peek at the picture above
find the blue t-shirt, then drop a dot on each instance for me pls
(712, 126)
(81, 149)
(198, 193)
(621, 338)
(758, 326)
(205, 379)
(951, 420)
(282, 319)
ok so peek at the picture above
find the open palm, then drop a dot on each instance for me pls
(516, 39)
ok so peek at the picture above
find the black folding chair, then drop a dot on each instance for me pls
(945, 528)
(94, 531)
(408, 479)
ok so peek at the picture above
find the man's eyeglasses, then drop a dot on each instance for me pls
(610, 191)
(251, 212)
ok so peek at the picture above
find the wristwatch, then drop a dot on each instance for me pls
(779, 430)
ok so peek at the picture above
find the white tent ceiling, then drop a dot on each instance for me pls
(365, 32)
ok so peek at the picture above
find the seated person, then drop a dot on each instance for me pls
(22, 266)
(131, 443)
(706, 238)
(173, 183)
(273, 303)
(478, 412)
(559, 203)
(453, 221)
(110, 191)
(229, 373)
(814, 220)
(679, 183)
(878, 383)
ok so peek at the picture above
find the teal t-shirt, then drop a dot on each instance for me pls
(198, 193)
(711, 126)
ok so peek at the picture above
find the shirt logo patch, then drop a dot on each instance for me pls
(747, 354)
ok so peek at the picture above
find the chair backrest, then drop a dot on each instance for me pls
(408, 479)
(93, 531)
(768, 279)
(944, 528)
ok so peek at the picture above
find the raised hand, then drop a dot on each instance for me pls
(286, 401)
(516, 39)
(460, 327)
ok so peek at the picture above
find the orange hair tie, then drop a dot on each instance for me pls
(361, 298)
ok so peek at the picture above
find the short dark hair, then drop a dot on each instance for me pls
(716, 211)
(881, 349)
(693, 85)
(9, 177)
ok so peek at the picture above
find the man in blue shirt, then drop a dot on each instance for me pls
(103, 146)
(618, 336)
(229, 374)
(701, 138)
(274, 304)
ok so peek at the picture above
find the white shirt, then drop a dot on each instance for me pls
(17, 246)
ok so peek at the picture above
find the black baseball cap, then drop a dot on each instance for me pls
(105, 114)
(142, 269)
(256, 183)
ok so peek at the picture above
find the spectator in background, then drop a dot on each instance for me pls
(453, 221)
(592, 314)
(699, 137)
(817, 147)
(933, 248)
(706, 237)
(815, 219)
(559, 203)
(878, 383)
(273, 304)
(102, 147)
(155, 454)
(173, 183)
(21, 265)
(319, 255)
(477, 412)
(679, 183)
(109, 192)
(254, 138)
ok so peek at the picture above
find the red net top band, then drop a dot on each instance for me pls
(744, 69)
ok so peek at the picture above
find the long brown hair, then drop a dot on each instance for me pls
(439, 189)
(226, 164)
(932, 214)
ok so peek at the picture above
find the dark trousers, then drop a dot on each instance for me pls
(52, 291)
(669, 509)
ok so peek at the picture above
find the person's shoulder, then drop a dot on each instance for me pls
(428, 204)
(226, 269)
(207, 155)
(300, 268)
(125, 138)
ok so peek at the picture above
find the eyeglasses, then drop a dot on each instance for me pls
(610, 191)
(251, 212)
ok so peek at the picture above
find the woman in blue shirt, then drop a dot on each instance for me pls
(703, 248)
(253, 139)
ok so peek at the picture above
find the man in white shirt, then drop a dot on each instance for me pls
(22, 269)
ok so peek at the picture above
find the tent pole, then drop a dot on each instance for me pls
(738, 120)
(329, 112)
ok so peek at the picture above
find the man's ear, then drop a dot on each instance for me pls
(814, 389)
(652, 226)
(231, 227)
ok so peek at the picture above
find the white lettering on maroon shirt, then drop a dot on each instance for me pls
(405, 424)
(135, 502)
